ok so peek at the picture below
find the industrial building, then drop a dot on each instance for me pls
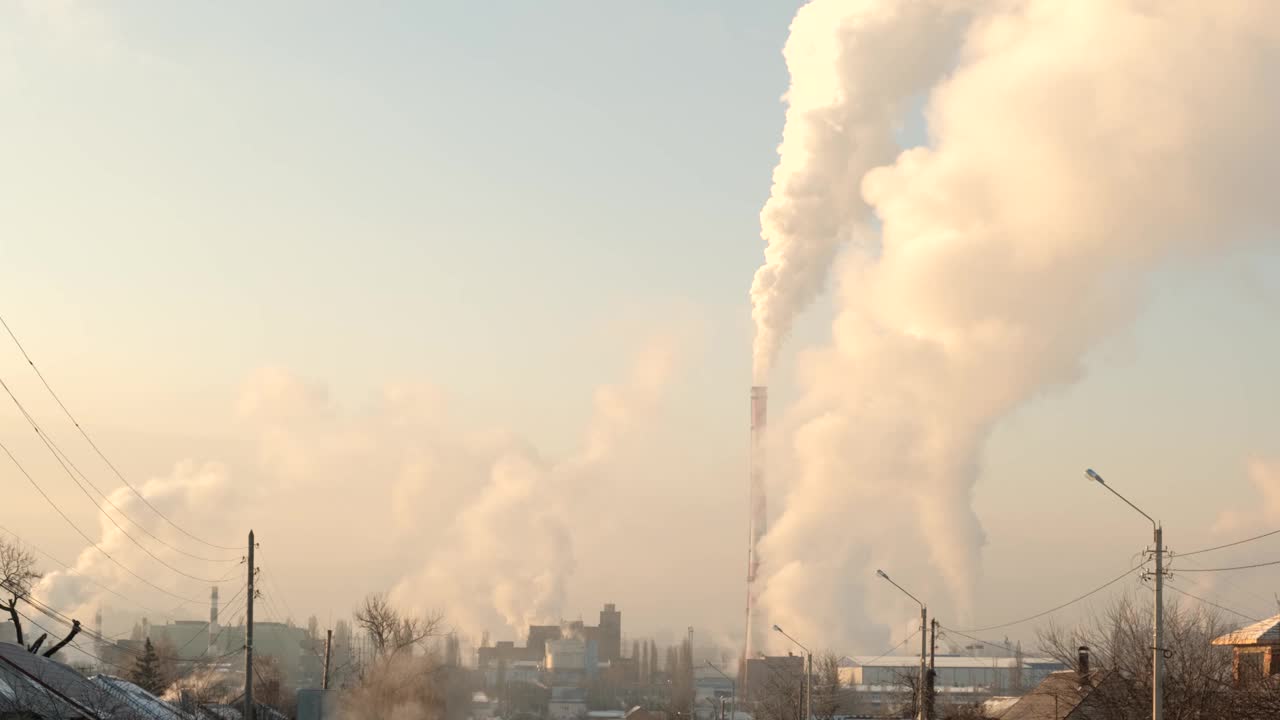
(570, 647)
(881, 681)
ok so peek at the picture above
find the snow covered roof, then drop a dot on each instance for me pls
(1264, 632)
(25, 678)
(143, 703)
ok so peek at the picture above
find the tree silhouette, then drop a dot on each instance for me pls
(146, 670)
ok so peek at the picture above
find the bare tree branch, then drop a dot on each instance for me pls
(75, 630)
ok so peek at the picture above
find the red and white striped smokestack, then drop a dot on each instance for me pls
(757, 522)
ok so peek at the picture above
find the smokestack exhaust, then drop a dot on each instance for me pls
(756, 519)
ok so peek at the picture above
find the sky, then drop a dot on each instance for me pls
(233, 234)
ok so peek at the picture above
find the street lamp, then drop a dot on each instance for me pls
(808, 674)
(733, 699)
(1157, 631)
(921, 711)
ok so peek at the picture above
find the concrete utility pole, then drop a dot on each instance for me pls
(248, 640)
(921, 712)
(933, 648)
(1157, 645)
(328, 643)
(1157, 629)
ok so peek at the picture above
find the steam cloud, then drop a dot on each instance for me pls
(855, 67)
(1073, 147)
(475, 521)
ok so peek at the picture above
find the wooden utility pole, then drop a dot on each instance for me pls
(248, 640)
(328, 643)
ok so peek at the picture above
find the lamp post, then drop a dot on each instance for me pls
(733, 699)
(921, 712)
(808, 673)
(1157, 630)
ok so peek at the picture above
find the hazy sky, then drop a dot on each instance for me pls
(509, 203)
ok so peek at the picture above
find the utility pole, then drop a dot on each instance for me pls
(328, 643)
(933, 649)
(1157, 630)
(924, 646)
(248, 640)
(1157, 665)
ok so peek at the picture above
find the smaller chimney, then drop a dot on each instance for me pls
(1082, 661)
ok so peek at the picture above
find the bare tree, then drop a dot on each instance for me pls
(391, 631)
(1198, 675)
(781, 696)
(827, 694)
(269, 682)
(17, 569)
(396, 684)
(17, 576)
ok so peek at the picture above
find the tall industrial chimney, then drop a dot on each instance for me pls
(213, 619)
(756, 519)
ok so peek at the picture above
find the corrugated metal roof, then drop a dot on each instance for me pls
(1264, 632)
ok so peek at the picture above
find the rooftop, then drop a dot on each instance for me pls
(942, 661)
(1055, 698)
(1264, 632)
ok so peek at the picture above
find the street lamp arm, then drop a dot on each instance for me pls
(797, 642)
(722, 673)
(904, 590)
(1154, 524)
(1098, 478)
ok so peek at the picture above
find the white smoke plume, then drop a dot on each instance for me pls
(510, 550)
(79, 591)
(855, 66)
(1073, 147)
(468, 520)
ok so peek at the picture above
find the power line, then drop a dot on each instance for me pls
(978, 640)
(1213, 604)
(58, 455)
(127, 649)
(893, 649)
(82, 533)
(68, 621)
(1229, 569)
(1227, 545)
(69, 466)
(94, 445)
(1055, 609)
(78, 573)
(50, 689)
(1240, 589)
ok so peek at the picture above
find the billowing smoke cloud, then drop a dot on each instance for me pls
(1073, 147)
(189, 490)
(855, 67)
(510, 553)
(468, 520)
